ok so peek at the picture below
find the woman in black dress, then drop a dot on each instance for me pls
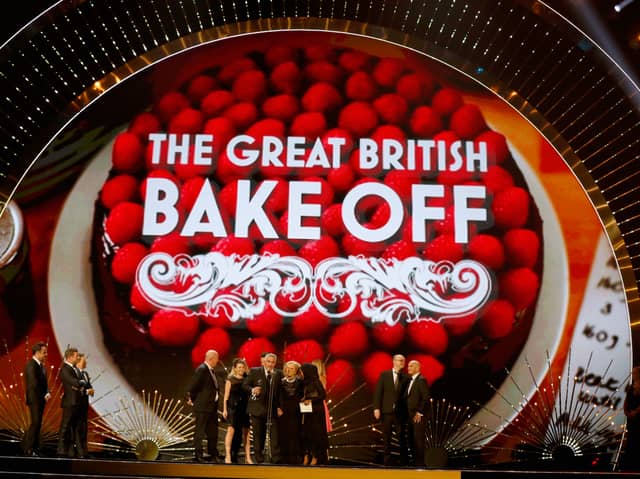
(631, 460)
(290, 420)
(315, 442)
(234, 411)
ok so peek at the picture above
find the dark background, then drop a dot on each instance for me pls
(618, 33)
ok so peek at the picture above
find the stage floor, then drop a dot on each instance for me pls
(51, 468)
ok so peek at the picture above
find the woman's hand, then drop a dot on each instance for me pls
(224, 413)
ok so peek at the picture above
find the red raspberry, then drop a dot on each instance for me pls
(391, 108)
(170, 104)
(425, 122)
(309, 124)
(125, 262)
(522, 247)
(460, 325)
(497, 149)
(218, 318)
(279, 199)
(349, 340)
(343, 304)
(281, 107)
(319, 52)
(250, 85)
(326, 195)
(172, 244)
(156, 174)
(127, 154)
(496, 179)
(497, 320)
(367, 173)
(310, 324)
(277, 54)
(124, 222)
(189, 169)
(443, 248)
(118, 189)
(519, 286)
(338, 133)
(353, 60)
(306, 221)
(228, 172)
(487, 250)
(331, 220)
(373, 365)
(354, 246)
(232, 244)
(279, 247)
(467, 121)
(452, 178)
(402, 181)
(242, 115)
(415, 88)
(216, 102)
(341, 178)
(446, 101)
(170, 327)
(358, 118)
(234, 68)
(252, 349)
(447, 225)
(360, 86)
(400, 250)
(430, 367)
(381, 215)
(510, 208)
(222, 129)
(303, 351)
(341, 378)
(139, 303)
(428, 336)
(227, 197)
(384, 132)
(322, 97)
(388, 72)
(266, 127)
(266, 324)
(368, 204)
(143, 124)
(199, 86)
(189, 192)
(286, 78)
(315, 251)
(388, 337)
(204, 241)
(323, 71)
(213, 338)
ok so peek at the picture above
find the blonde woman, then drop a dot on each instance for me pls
(235, 413)
(322, 374)
(289, 423)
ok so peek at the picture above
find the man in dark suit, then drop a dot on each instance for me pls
(205, 395)
(37, 395)
(82, 425)
(416, 396)
(73, 389)
(387, 408)
(262, 384)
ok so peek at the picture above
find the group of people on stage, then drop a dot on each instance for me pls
(76, 389)
(285, 409)
(400, 404)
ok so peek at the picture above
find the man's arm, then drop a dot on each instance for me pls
(377, 396)
(195, 386)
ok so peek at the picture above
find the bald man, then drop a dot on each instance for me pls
(416, 397)
(204, 395)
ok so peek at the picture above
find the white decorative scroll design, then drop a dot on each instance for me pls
(388, 291)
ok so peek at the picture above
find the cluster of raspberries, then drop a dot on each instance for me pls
(322, 92)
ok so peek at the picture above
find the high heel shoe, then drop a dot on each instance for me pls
(305, 461)
(314, 461)
(227, 459)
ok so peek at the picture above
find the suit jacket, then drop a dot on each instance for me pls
(35, 378)
(204, 389)
(87, 380)
(387, 394)
(73, 388)
(260, 405)
(417, 397)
